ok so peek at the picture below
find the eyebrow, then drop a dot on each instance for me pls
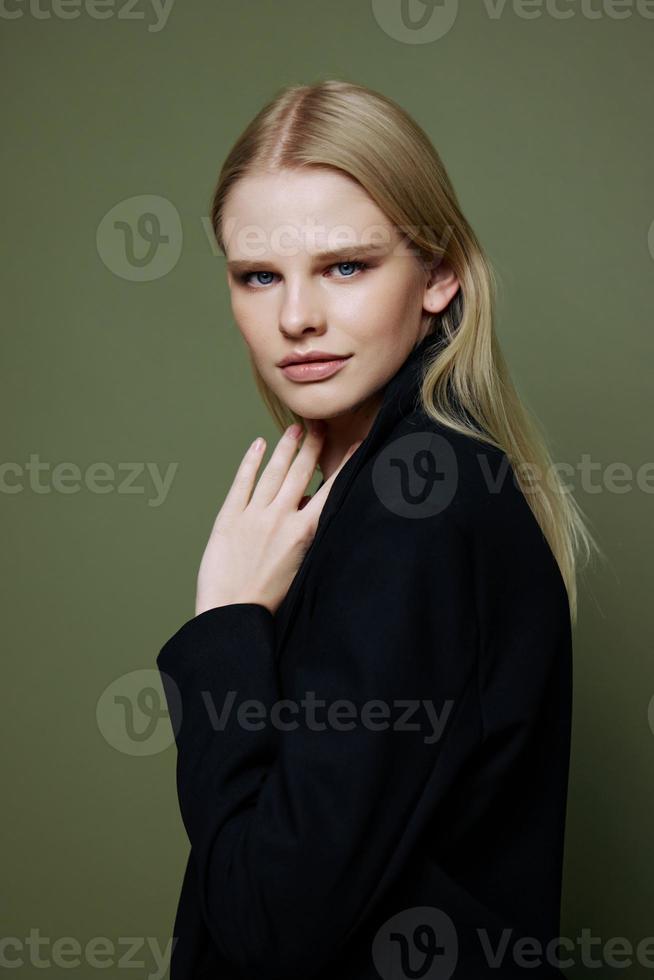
(349, 253)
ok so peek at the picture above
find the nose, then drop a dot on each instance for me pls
(301, 310)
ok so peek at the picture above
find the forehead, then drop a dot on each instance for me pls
(315, 208)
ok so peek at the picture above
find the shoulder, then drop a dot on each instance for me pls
(429, 489)
(470, 496)
(431, 475)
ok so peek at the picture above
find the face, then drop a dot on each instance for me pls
(362, 305)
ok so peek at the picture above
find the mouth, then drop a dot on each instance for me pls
(314, 370)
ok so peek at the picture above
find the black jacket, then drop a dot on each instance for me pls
(413, 836)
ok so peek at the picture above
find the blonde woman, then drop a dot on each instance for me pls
(372, 702)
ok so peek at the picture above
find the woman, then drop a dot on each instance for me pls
(372, 702)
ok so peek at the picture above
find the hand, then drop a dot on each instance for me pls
(259, 539)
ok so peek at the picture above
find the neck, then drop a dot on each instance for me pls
(342, 430)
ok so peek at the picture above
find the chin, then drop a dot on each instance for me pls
(332, 409)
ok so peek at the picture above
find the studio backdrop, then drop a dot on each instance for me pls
(128, 402)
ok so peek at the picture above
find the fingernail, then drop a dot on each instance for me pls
(294, 431)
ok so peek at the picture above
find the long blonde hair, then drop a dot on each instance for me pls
(467, 386)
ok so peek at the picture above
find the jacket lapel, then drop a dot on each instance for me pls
(401, 397)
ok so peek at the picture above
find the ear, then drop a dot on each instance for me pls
(441, 286)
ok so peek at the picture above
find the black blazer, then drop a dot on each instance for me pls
(391, 802)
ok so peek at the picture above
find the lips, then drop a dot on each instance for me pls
(314, 369)
(310, 356)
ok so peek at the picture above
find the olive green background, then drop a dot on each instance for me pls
(545, 126)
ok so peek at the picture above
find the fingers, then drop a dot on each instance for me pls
(286, 475)
(239, 493)
(277, 470)
(298, 477)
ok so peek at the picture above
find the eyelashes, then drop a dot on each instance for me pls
(244, 277)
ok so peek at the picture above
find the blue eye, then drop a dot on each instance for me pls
(245, 277)
(352, 264)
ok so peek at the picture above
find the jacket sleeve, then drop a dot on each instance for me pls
(300, 805)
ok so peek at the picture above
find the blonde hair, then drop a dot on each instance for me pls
(467, 385)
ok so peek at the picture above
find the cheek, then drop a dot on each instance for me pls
(241, 309)
(256, 337)
(399, 293)
(383, 310)
(247, 321)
